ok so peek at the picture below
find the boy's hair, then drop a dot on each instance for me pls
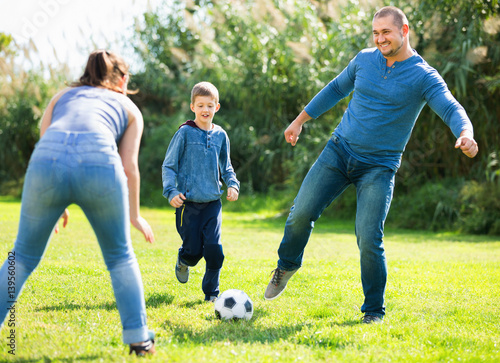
(204, 89)
(397, 14)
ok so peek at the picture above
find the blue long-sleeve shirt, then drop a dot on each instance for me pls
(385, 105)
(195, 161)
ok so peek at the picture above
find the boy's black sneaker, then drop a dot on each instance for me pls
(372, 319)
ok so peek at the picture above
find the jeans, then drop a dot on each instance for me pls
(199, 225)
(85, 169)
(331, 174)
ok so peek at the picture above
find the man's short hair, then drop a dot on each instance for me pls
(397, 14)
(204, 89)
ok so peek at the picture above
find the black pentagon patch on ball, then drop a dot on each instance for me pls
(217, 314)
(229, 303)
(248, 306)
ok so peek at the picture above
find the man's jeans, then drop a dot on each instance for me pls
(330, 175)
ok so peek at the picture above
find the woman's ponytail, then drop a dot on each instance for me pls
(104, 69)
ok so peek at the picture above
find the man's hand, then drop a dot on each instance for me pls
(467, 144)
(293, 131)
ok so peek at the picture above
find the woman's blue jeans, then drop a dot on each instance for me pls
(85, 169)
(329, 176)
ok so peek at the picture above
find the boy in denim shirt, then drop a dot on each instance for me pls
(196, 159)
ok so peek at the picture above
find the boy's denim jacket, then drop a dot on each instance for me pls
(193, 161)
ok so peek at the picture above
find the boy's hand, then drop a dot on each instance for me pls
(178, 200)
(232, 194)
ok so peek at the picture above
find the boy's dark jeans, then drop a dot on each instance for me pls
(199, 225)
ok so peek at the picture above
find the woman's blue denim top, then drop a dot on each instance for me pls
(90, 110)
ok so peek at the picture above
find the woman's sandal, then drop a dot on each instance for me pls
(147, 347)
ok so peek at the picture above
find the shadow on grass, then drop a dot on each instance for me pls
(234, 331)
(348, 323)
(157, 299)
(154, 301)
(241, 331)
(192, 304)
(46, 359)
(70, 306)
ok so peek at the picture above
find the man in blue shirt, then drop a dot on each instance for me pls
(391, 85)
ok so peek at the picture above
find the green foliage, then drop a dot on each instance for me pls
(421, 209)
(461, 39)
(21, 107)
(267, 66)
(466, 206)
(480, 208)
(154, 147)
(442, 297)
(18, 132)
(269, 58)
(5, 41)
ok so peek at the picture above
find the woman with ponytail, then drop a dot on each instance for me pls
(87, 155)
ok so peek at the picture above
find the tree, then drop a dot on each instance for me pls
(268, 58)
(453, 36)
(23, 97)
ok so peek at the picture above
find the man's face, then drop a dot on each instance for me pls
(387, 36)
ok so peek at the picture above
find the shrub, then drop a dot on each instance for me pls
(432, 206)
(479, 205)
(22, 103)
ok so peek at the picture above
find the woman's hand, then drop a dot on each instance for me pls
(143, 226)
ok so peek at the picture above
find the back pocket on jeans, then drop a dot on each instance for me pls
(41, 176)
(99, 180)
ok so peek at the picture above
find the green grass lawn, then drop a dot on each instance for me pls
(443, 297)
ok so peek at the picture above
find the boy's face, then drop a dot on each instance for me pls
(204, 108)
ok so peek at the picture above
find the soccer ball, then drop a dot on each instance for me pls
(233, 304)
